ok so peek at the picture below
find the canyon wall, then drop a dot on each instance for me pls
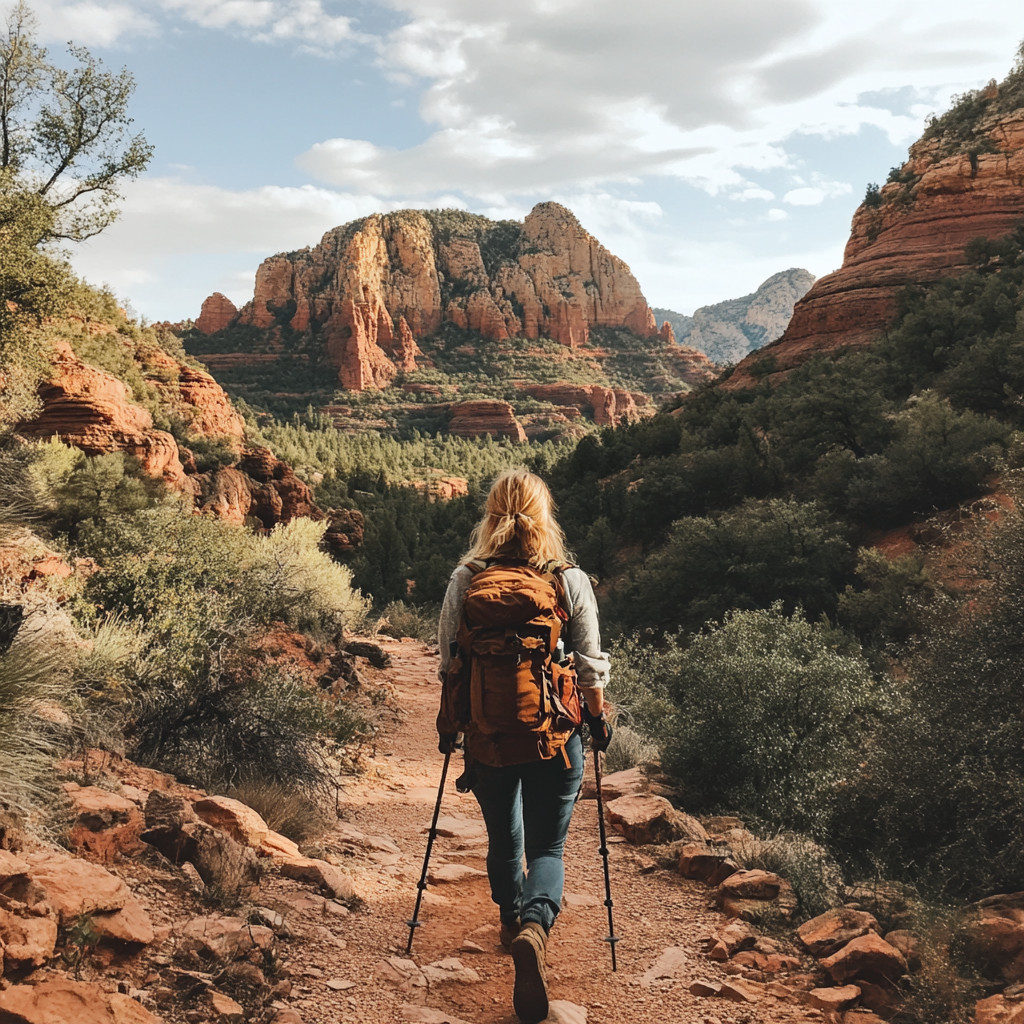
(959, 183)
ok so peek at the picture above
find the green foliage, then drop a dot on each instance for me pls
(886, 601)
(944, 781)
(872, 196)
(236, 727)
(770, 718)
(400, 619)
(35, 668)
(64, 134)
(758, 554)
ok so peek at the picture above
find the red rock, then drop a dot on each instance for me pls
(651, 819)
(952, 201)
(751, 884)
(76, 887)
(907, 943)
(996, 937)
(867, 957)
(238, 820)
(605, 406)
(741, 991)
(998, 1009)
(224, 938)
(485, 416)
(833, 999)
(373, 286)
(106, 825)
(321, 874)
(26, 939)
(62, 1001)
(700, 987)
(90, 409)
(705, 863)
(218, 311)
(825, 934)
(225, 1007)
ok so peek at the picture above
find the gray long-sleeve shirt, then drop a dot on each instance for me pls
(582, 633)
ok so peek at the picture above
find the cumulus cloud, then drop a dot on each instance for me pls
(88, 22)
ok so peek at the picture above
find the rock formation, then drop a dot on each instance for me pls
(957, 185)
(728, 331)
(607, 407)
(217, 312)
(374, 287)
(90, 409)
(485, 416)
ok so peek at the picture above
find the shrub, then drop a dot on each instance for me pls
(770, 718)
(761, 552)
(239, 725)
(284, 808)
(809, 867)
(35, 666)
(941, 794)
(400, 619)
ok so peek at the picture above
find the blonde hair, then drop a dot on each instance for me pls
(518, 522)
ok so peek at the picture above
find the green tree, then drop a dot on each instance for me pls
(65, 133)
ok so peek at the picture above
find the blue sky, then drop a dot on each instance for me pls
(708, 145)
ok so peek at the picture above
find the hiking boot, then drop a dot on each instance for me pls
(507, 933)
(530, 994)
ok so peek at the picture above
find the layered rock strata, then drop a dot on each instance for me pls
(370, 289)
(485, 416)
(913, 231)
(217, 312)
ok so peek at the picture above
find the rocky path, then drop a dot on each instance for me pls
(355, 968)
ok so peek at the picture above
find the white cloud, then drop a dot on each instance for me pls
(87, 22)
(775, 213)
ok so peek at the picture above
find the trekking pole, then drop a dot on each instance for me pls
(422, 884)
(612, 938)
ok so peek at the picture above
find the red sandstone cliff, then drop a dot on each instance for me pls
(370, 289)
(913, 232)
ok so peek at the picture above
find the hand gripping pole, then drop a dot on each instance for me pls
(611, 938)
(422, 884)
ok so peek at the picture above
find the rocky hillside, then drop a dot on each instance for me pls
(962, 181)
(727, 331)
(114, 387)
(445, 307)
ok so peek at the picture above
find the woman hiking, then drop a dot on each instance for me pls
(519, 622)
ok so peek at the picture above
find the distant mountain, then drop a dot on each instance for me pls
(727, 331)
(413, 319)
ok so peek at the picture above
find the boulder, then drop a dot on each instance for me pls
(27, 939)
(753, 884)
(217, 938)
(869, 958)
(998, 1009)
(705, 863)
(831, 1000)
(324, 876)
(238, 820)
(827, 933)
(995, 935)
(63, 1001)
(106, 826)
(652, 819)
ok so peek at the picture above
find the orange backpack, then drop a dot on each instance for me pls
(508, 687)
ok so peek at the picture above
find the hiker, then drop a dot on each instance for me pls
(525, 771)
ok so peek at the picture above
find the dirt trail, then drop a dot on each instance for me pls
(389, 807)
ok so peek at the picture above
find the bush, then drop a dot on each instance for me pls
(809, 867)
(284, 808)
(763, 551)
(240, 725)
(400, 619)
(941, 794)
(770, 718)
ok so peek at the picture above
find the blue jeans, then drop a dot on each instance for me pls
(527, 808)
